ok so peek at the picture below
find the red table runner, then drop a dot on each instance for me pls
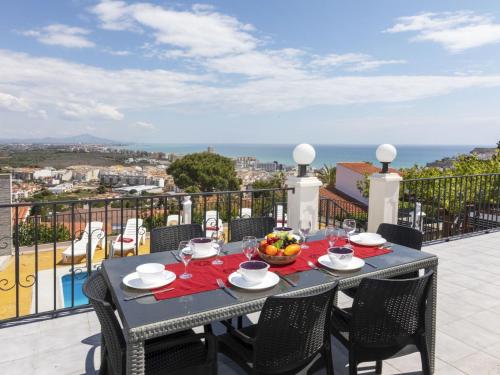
(205, 273)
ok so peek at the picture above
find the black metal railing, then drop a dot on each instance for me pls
(447, 207)
(49, 240)
(333, 212)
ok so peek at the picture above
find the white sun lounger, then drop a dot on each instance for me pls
(212, 224)
(80, 247)
(129, 237)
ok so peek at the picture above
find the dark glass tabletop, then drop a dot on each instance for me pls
(147, 310)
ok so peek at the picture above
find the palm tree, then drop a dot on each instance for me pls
(327, 175)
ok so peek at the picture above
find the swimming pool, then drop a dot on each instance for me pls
(79, 278)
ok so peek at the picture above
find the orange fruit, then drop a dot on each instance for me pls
(263, 245)
(271, 250)
(292, 249)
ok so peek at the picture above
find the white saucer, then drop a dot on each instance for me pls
(354, 264)
(132, 280)
(206, 254)
(368, 239)
(269, 281)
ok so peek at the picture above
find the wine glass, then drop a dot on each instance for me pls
(218, 238)
(249, 246)
(350, 227)
(304, 229)
(186, 251)
(333, 234)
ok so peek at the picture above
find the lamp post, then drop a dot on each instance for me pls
(303, 155)
(303, 200)
(386, 153)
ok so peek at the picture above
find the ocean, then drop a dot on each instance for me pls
(408, 155)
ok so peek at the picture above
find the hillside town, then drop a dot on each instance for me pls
(135, 172)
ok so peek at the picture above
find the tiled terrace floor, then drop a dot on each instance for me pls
(468, 340)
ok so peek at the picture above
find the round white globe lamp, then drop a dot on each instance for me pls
(303, 155)
(386, 153)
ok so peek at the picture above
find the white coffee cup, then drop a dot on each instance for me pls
(253, 271)
(150, 272)
(201, 246)
(340, 256)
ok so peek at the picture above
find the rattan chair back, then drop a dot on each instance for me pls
(96, 290)
(253, 226)
(389, 313)
(291, 331)
(401, 235)
(168, 238)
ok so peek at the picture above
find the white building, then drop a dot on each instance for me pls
(349, 175)
(61, 188)
(42, 174)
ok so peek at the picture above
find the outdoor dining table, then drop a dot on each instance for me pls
(147, 318)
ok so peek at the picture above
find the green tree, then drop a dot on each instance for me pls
(204, 172)
(327, 175)
(101, 189)
(364, 186)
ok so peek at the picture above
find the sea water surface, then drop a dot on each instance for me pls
(408, 155)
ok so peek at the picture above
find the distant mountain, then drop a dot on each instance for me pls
(77, 139)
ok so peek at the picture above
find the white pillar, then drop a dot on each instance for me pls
(383, 200)
(303, 203)
(187, 205)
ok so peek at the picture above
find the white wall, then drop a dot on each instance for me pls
(346, 181)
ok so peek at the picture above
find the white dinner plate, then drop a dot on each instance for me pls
(354, 264)
(205, 254)
(132, 280)
(270, 280)
(368, 239)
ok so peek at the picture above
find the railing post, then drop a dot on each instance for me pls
(383, 201)
(6, 215)
(187, 206)
(303, 201)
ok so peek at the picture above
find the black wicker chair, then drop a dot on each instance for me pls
(253, 226)
(387, 319)
(291, 334)
(180, 353)
(400, 235)
(168, 238)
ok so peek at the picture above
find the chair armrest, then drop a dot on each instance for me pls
(341, 313)
(141, 231)
(237, 333)
(241, 336)
(100, 234)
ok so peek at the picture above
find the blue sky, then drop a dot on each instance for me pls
(281, 71)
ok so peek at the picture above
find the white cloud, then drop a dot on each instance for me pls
(89, 110)
(354, 62)
(144, 125)
(61, 35)
(13, 103)
(455, 31)
(117, 52)
(64, 88)
(271, 63)
(201, 32)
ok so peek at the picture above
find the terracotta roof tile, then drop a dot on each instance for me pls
(347, 203)
(364, 168)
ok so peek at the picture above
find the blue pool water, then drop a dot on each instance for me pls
(79, 279)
